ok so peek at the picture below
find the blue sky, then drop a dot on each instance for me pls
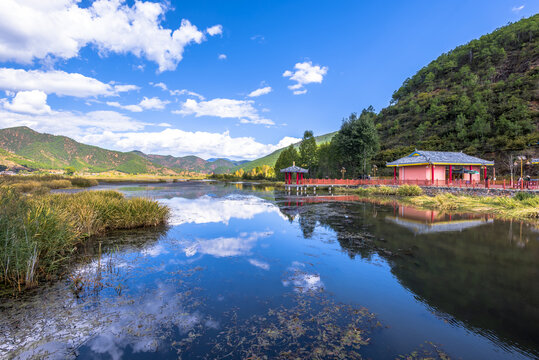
(234, 79)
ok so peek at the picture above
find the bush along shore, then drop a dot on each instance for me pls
(521, 206)
(39, 233)
(41, 184)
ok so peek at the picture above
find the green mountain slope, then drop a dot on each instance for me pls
(271, 159)
(27, 147)
(482, 98)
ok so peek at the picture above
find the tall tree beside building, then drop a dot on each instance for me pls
(287, 157)
(357, 142)
(307, 151)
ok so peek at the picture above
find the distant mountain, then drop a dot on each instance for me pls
(271, 159)
(235, 162)
(191, 163)
(31, 149)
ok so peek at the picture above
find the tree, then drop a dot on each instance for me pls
(357, 141)
(287, 157)
(328, 161)
(70, 170)
(307, 151)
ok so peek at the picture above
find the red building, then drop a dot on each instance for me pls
(432, 166)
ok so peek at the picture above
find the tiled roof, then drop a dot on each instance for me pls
(295, 169)
(535, 161)
(439, 157)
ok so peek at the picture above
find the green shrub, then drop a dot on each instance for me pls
(521, 196)
(84, 183)
(409, 190)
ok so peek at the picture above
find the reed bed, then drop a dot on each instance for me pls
(38, 233)
(40, 184)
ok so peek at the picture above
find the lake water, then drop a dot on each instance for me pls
(249, 272)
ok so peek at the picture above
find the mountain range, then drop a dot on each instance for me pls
(24, 148)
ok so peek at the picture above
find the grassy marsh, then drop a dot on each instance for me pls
(40, 184)
(521, 206)
(38, 233)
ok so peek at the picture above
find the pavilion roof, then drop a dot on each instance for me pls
(295, 169)
(535, 161)
(420, 157)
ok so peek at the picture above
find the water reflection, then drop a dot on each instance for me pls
(245, 273)
(429, 221)
(483, 279)
(224, 246)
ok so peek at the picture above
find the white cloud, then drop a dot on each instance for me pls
(153, 103)
(222, 57)
(161, 85)
(30, 102)
(186, 92)
(58, 82)
(72, 124)
(31, 29)
(224, 108)
(215, 30)
(305, 73)
(145, 104)
(132, 108)
(261, 91)
(177, 142)
(517, 8)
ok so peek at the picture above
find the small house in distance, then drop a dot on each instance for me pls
(431, 166)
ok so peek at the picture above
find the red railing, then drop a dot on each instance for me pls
(498, 184)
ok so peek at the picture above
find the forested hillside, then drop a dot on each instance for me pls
(482, 98)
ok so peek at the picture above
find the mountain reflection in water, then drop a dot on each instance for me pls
(246, 272)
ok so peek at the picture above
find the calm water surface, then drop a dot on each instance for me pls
(244, 272)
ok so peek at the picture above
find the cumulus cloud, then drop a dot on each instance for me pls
(145, 104)
(30, 102)
(222, 57)
(71, 124)
(224, 108)
(214, 30)
(305, 73)
(32, 29)
(517, 8)
(58, 82)
(261, 91)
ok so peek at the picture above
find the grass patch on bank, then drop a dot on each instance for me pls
(519, 206)
(40, 184)
(38, 233)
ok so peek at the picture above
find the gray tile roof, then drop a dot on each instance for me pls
(295, 169)
(439, 157)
